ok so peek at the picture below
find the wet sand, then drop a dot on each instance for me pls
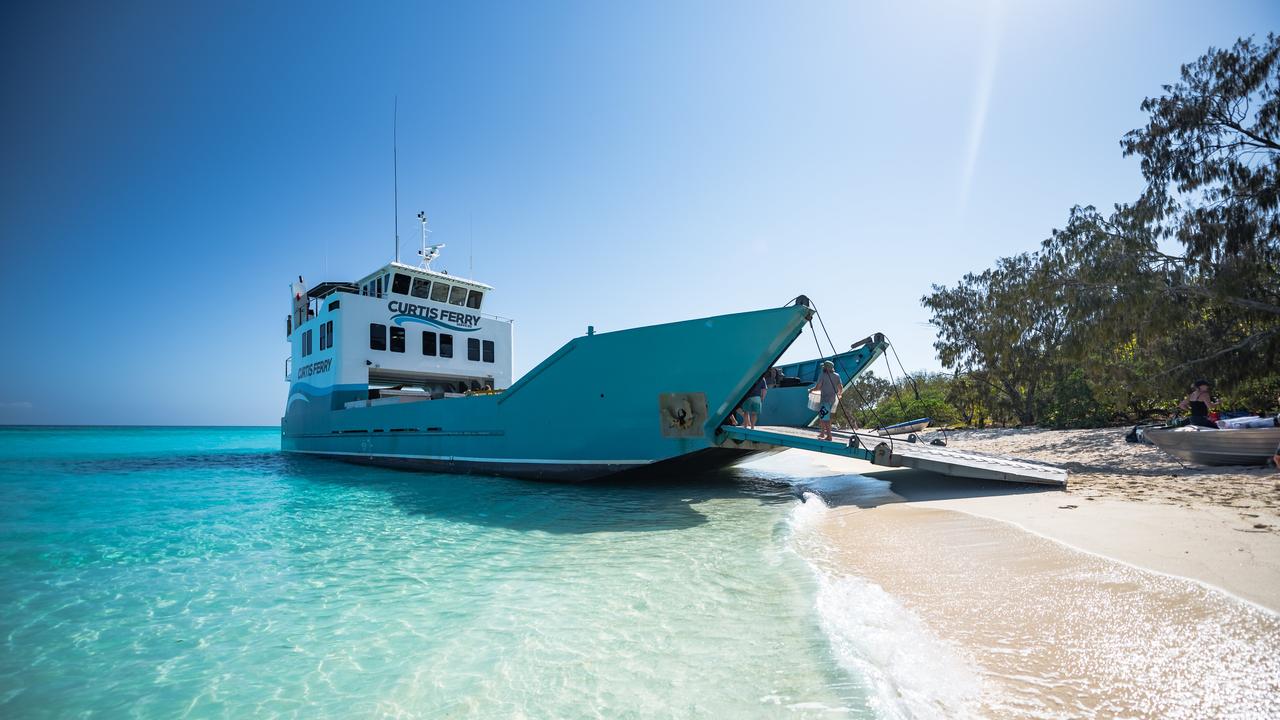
(1054, 632)
(1144, 590)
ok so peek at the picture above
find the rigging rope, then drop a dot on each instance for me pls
(914, 387)
(853, 426)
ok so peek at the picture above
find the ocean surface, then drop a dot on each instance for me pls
(199, 572)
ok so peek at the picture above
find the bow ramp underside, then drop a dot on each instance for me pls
(895, 453)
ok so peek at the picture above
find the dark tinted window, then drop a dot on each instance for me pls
(329, 332)
(397, 339)
(458, 295)
(421, 288)
(377, 336)
(334, 305)
(400, 284)
(323, 337)
(428, 343)
(446, 345)
(473, 349)
(306, 343)
(488, 351)
(474, 298)
(440, 291)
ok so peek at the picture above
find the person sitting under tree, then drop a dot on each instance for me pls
(1200, 402)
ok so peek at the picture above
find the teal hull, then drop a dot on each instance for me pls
(592, 409)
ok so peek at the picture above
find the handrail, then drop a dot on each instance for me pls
(288, 369)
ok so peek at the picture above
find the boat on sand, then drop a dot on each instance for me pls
(902, 428)
(1208, 446)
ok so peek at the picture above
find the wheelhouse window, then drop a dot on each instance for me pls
(421, 288)
(446, 345)
(377, 336)
(324, 337)
(473, 349)
(440, 291)
(377, 287)
(400, 284)
(397, 339)
(429, 343)
(488, 351)
(306, 343)
(473, 299)
(458, 295)
(328, 335)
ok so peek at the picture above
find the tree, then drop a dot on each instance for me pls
(1211, 157)
(1004, 326)
(1117, 311)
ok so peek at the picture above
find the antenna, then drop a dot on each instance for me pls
(471, 241)
(395, 172)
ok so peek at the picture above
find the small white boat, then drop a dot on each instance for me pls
(902, 428)
(1207, 446)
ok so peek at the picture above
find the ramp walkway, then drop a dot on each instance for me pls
(893, 452)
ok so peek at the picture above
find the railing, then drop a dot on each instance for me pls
(288, 366)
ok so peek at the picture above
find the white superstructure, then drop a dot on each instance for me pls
(399, 332)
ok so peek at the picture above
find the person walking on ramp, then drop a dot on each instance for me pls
(830, 387)
(754, 403)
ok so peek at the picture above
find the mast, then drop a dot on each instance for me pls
(428, 252)
(395, 173)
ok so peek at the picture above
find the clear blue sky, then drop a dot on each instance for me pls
(168, 168)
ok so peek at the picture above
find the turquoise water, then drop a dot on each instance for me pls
(198, 572)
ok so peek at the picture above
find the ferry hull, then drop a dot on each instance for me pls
(600, 406)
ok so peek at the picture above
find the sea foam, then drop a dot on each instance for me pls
(910, 673)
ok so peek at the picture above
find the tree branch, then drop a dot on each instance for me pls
(1263, 140)
(1230, 300)
(1248, 342)
(1181, 290)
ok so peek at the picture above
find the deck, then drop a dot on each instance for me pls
(896, 452)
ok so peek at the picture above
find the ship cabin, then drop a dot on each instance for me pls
(399, 334)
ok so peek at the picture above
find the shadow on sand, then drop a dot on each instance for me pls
(907, 485)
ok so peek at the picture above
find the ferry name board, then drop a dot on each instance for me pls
(315, 368)
(442, 318)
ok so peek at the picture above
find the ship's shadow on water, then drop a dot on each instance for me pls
(553, 507)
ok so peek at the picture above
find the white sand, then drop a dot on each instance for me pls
(1047, 591)
(1125, 501)
(1052, 632)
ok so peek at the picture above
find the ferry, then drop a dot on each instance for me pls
(404, 367)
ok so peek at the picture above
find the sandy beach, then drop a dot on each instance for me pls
(1103, 465)
(1145, 589)
(1128, 501)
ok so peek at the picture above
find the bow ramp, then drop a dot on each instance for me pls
(894, 453)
